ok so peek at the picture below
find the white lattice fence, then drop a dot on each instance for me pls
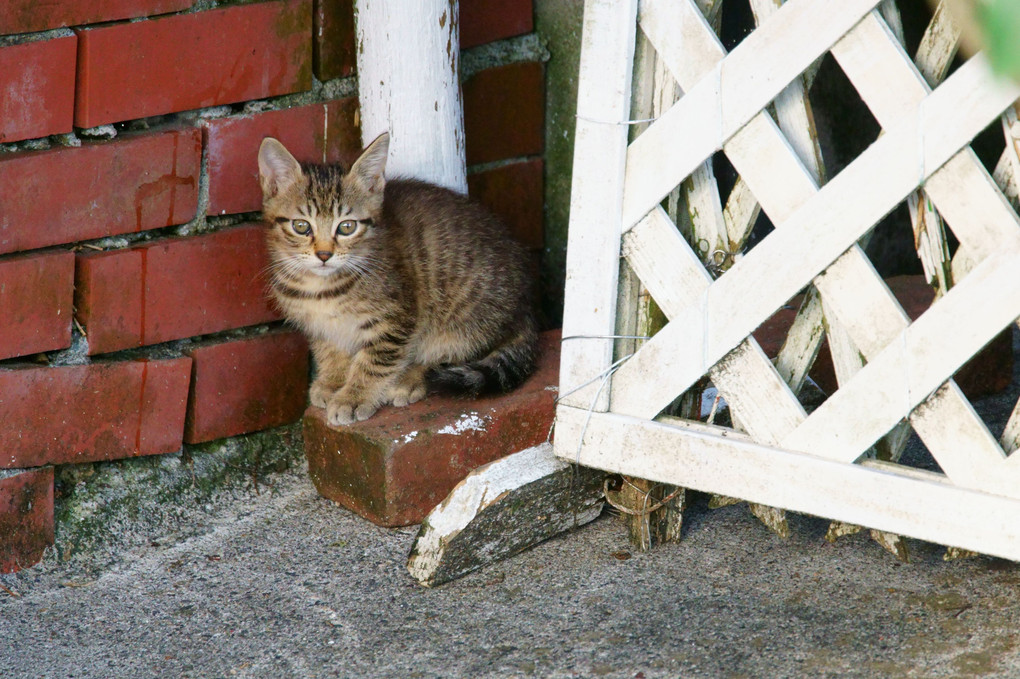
(891, 370)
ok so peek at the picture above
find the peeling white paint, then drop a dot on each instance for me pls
(471, 496)
(425, 142)
(467, 422)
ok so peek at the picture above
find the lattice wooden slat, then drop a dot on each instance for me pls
(889, 368)
(814, 236)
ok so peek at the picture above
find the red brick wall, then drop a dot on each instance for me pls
(118, 242)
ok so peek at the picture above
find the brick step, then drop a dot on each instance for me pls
(395, 467)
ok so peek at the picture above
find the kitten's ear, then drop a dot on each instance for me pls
(369, 168)
(278, 170)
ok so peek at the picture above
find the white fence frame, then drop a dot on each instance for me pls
(817, 463)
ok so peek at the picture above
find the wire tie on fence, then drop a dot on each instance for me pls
(604, 377)
(646, 510)
(573, 337)
(639, 121)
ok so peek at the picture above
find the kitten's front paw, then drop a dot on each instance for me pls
(409, 388)
(341, 413)
(403, 395)
(320, 394)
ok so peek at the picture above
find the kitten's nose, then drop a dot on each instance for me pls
(323, 254)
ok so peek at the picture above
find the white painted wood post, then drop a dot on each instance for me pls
(409, 84)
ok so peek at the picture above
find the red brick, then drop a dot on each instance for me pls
(174, 288)
(104, 189)
(190, 61)
(395, 467)
(29, 16)
(316, 133)
(246, 385)
(204, 284)
(108, 294)
(35, 303)
(988, 372)
(26, 518)
(37, 88)
(333, 53)
(514, 193)
(343, 139)
(504, 112)
(86, 413)
(483, 21)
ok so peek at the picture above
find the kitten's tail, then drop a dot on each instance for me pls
(501, 370)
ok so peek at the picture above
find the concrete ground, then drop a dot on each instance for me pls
(285, 584)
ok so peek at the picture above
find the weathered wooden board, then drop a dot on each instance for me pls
(593, 242)
(886, 497)
(501, 509)
(939, 44)
(741, 212)
(802, 343)
(793, 109)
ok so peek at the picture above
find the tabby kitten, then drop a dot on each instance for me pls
(394, 282)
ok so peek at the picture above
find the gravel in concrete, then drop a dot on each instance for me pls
(290, 585)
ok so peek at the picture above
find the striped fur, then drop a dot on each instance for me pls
(398, 284)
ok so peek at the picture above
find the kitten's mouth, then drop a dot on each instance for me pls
(322, 270)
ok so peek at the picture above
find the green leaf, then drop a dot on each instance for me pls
(1000, 23)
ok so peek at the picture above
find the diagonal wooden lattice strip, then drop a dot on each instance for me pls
(764, 404)
(665, 263)
(893, 89)
(865, 300)
(914, 365)
(803, 342)
(938, 46)
(763, 387)
(963, 446)
(814, 236)
(730, 95)
(793, 108)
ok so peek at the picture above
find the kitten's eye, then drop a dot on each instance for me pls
(347, 227)
(301, 227)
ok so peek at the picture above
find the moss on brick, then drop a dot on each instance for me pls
(559, 26)
(106, 507)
